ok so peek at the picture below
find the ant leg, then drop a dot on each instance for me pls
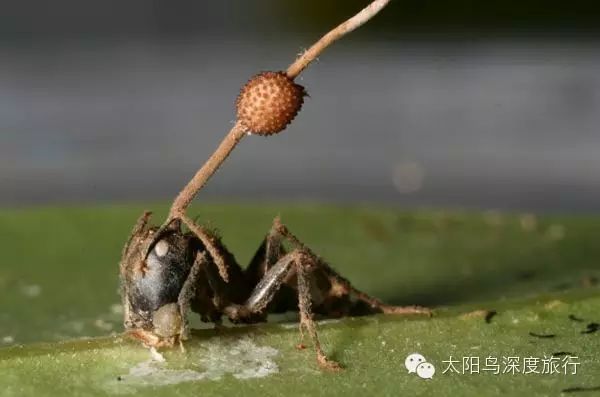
(188, 292)
(225, 277)
(138, 228)
(268, 253)
(220, 255)
(301, 264)
(340, 286)
(304, 265)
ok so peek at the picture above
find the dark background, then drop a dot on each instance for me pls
(491, 104)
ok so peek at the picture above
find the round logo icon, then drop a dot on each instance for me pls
(416, 363)
(412, 362)
(425, 370)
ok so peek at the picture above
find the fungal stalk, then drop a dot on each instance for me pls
(260, 99)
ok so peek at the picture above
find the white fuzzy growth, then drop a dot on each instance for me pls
(320, 322)
(243, 359)
(8, 339)
(156, 356)
(31, 291)
(161, 248)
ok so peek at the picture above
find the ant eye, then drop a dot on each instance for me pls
(411, 359)
(161, 248)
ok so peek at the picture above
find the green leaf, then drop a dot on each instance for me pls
(58, 284)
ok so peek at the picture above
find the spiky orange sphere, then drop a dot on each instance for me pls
(268, 102)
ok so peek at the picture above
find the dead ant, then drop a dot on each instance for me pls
(166, 271)
(195, 270)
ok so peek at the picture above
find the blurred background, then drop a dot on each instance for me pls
(454, 103)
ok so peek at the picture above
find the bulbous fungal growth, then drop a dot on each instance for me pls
(268, 102)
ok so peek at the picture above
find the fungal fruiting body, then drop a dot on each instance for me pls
(268, 102)
(166, 271)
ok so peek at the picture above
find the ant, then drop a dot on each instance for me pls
(166, 272)
(180, 266)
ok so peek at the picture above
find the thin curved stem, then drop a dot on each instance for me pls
(187, 194)
(340, 31)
